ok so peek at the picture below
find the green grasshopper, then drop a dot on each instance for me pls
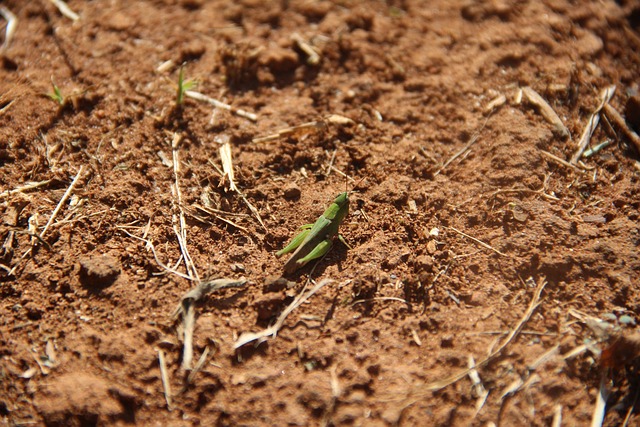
(315, 240)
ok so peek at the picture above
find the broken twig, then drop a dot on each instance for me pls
(65, 10)
(545, 109)
(219, 104)
(186, 308)
(592, 124)
(164, 375)
(618, 122)
(478, 241)
(12, 23)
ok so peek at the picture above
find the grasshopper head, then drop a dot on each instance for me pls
(342, 199)
(342, 203)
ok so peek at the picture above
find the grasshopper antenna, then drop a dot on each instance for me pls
(356, 184)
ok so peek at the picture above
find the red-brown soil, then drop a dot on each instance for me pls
(87, 309)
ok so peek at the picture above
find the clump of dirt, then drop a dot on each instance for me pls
(97, 272)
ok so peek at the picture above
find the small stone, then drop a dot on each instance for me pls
(120, 22)
(99, 271)
(627, 320)
(279, 60)
(238, 268)
(589, 45)
(276, 284)
(292, 192)
(76, 397)
(424, 263)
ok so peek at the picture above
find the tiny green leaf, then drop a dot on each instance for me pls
(56, 95)
(183, 86)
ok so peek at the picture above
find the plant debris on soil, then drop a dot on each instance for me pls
(152, 152)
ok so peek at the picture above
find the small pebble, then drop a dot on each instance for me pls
(99, 271)
(292, 192)
(627, 320)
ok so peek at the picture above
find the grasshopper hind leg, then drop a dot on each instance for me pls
(296, 241)
(319, 251)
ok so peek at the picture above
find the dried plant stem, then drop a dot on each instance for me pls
(592, 124)
(199, 365)
(155, 255)
(219, 104)
(557, 416)
(12, 23)
(65, 10)
(26, 187)
(308, 127)
(181, 233)
(545, 109)
(164, 375)
(186, 308)
(618, 122)
(227, 168)
(561, 161)
(480, 242)
(317, 126)
(62, 201)
(55, 212)
(464, 149)
(601, 403)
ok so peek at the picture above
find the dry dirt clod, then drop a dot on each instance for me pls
(292, 191)
(77, 398)
(632, 112)
(99, 271)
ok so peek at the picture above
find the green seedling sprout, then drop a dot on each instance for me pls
(57, 95)
(183, 86)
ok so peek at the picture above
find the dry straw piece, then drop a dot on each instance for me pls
(54, 214)
(619, 123)
(179, 223)
(592, 124)
(12, 23)
(65, 10)
(219, 104)
(545, 109)
(227, 171)
(306, 128)
(313, 57)
(186, 309)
